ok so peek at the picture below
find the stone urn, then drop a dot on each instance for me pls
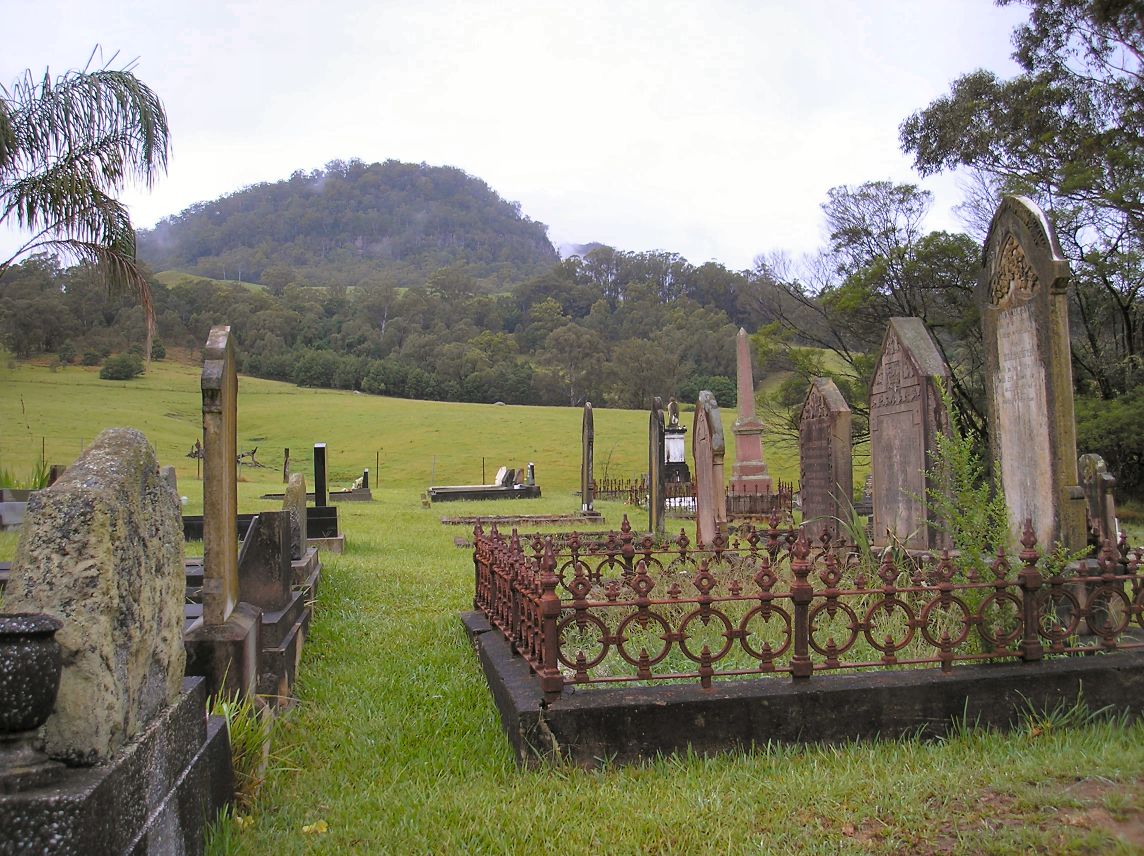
(30, 668)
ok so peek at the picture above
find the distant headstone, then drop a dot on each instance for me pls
(1098, 486)
(498, 479)
(220, 477)
(655, 468)
(531, 478)
(749, 475)
(826, 470)
(587, 450)
(168, 475)
(294, 504)
(1022, 296)
(906, 414)
(320, 483)
(707, 449)
(102, 550)
(675, 447)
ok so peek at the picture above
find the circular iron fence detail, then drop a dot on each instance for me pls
(1108, 611)
(994, 605)
(888, 607)
(765, 612)
(933, 634)
(1053, 607)
(705, 616)
(643, 619)
(831, 610)
(581, 623)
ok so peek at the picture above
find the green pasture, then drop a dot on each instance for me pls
(395, 745)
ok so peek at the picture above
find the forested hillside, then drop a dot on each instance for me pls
(353, 223)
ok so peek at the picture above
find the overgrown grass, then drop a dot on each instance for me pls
(395, 745)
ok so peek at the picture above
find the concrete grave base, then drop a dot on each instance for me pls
(335, 544)
(588, 727)
(227, 654)
(155, 796)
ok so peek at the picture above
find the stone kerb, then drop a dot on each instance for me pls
(1022, 296)
(826, 469)
(906, 415)
(220, 477)
(102, 550)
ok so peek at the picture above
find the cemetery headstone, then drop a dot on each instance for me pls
(1098, 486)
(906, 414)
(749, 473)
(587, 449)
(320, 475)
(220, 474)
(707, 450)
(655, 468)
(294, 504)
(826, 471)
(675, 447)
(102, 551)
(1022, 296)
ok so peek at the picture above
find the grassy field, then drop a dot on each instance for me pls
(395, 746)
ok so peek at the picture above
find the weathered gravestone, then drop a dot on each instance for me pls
(102, 550)
(906, 414)
(749, 475)
(675, 457)
(707, 449)
(655, 468)
(1022, 295)
(294, 504)
(826, 471)
(220, 477)
(587, 450)
(1098, 485)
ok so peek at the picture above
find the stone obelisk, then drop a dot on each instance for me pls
(749, 474)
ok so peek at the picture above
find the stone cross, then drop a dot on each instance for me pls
(1022, 297)
(749, 474)
(825, 464)
(587, 448)
(708, 448)
(220, 478)
(655, 468)
(906, 415)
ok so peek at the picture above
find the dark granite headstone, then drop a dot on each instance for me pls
(320, 475)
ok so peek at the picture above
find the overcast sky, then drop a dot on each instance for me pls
(712, 129)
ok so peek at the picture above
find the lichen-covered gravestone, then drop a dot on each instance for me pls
(906, 415)
(708, 448)
(1022, 295)
(826, 470)
(294, 504)
(102, 550)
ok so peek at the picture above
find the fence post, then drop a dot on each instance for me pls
(551, 680)
(1030, 581)
(801, 595)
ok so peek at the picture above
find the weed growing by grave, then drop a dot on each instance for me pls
(37, 478)
(249, 730)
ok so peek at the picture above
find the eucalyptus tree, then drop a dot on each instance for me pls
(68, 145)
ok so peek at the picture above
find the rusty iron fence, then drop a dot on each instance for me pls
(623, 609)
(680, 497)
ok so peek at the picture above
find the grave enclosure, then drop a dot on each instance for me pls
(617, 645)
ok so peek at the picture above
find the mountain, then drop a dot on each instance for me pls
(355, 222)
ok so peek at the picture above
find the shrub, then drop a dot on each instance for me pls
(1112, 430)
(158, 352)
(67, 354)
(91, 358)
(122, 367)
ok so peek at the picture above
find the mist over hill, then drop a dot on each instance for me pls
(352, 223)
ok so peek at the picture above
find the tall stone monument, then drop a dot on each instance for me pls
(656, 468)
(707, 449)
(749, 475)
(906, 414)
(587, 450)
(826, 469)
(1022, 296)
(220, 477)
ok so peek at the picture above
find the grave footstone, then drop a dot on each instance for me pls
(825, 462)
(707, 450)
(749, 474)
(906, 414)
(587, 449)
(1022, 296)
(655, 468)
